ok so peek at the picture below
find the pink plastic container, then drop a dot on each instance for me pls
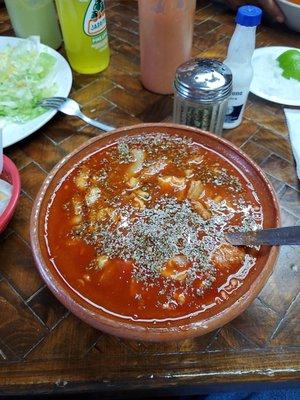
(166, 36)
(11, 174)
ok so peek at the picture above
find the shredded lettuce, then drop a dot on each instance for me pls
(26, 77)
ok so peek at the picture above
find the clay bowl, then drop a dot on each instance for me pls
(190, 327)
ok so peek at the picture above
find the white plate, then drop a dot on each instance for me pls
(267, 80)
(13, 132)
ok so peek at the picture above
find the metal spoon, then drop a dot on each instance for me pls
(270, 237)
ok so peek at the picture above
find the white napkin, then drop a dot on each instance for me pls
(1, 145)
(5, 194)
(292, 116)
(5, 187)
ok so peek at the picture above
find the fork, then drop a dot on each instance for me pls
(71, 107)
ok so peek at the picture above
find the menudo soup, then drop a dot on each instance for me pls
(138, 227)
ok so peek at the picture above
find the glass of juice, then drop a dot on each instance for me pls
(35, 17)
(83, 25)
(166, 36)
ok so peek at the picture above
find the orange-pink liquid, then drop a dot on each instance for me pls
(166, 35)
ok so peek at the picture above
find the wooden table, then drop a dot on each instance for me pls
(44, 348)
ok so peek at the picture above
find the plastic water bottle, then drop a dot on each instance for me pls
(166, 36)
(239, 55)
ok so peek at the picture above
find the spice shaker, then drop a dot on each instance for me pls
(201, 91)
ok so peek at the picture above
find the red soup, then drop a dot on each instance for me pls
(138, 228)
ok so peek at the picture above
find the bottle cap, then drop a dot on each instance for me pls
(203, 80)
(248, 16)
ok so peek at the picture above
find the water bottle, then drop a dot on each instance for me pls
(239, 55)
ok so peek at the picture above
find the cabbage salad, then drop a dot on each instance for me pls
(26, 77)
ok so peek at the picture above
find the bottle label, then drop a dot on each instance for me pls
(94, 23)
(233, 113)
(235, 105)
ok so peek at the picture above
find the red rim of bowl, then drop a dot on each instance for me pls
(128, 330)
(10, 170)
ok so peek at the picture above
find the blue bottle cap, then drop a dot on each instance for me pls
(248, 16)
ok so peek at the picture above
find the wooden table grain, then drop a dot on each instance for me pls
(44, 348)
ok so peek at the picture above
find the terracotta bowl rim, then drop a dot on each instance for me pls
(124, 329)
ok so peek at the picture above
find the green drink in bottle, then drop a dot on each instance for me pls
(35, 17)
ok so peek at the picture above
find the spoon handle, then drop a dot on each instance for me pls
(97, 124)
(278, 236)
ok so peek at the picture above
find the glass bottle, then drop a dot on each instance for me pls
(166, 35)
(83, 25)
(35, 17)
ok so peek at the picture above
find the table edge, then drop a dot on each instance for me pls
(200, 369)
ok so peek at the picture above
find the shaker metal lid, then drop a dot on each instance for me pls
(204, 80)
